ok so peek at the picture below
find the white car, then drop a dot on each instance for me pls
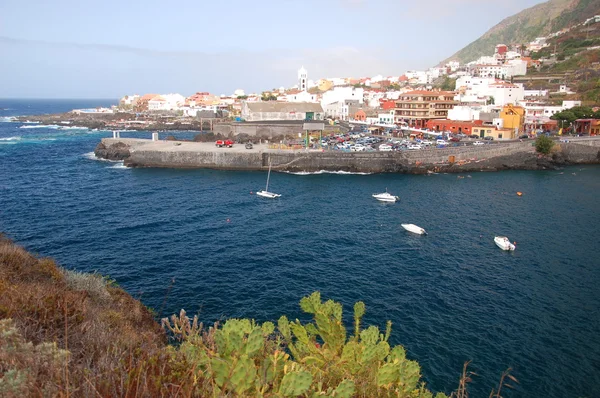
(427, 143)
(441, 142)
(415, 146)
(478, 143)
(358, 148)
(385, 148)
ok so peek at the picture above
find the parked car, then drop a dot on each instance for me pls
(358, 148)
(489, 138)
(455, 139)
(415, 146)
(478, 143)
(524, 136)
(224, 143)
(441, 142)
(385, 148)
(249, 145)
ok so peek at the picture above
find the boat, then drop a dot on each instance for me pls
(385, 197)
(414, 229)
(266, 193)
(503, 243)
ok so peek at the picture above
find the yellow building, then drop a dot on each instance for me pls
(324, 85)
(513, 117)
(495, 133)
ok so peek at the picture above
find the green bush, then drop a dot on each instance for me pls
(543, 144)
(316, 359)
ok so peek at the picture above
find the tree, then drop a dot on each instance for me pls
(491, 100)
(543, 144)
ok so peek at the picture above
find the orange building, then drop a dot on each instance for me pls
(360, 115)
(416, 108)
(453, 126)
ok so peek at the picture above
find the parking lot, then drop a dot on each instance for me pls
(361, 141)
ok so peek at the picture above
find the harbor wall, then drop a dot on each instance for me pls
(516, 155)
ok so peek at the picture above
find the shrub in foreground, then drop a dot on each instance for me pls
(544, 144)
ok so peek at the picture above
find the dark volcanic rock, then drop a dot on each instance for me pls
(118, 151)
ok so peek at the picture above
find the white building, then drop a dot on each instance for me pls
(418, 77)
(506, 93)
(515, 67)
(464, 113)
(453, 65)
(158, 103)
(338, 81)
(386, 118)
(129, 99)
(302, 96)
(535, 93)
(340, 94)
(302, 79)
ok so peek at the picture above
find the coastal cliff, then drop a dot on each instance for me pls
(494, 157)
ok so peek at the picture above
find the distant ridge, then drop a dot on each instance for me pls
(528, 24)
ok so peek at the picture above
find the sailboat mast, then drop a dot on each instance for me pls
(268, 176)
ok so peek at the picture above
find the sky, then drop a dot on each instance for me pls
(110, 48)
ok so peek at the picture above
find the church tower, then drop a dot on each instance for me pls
(302, 79)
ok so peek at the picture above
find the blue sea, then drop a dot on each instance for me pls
(200, 240)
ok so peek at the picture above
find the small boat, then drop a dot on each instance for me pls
(503, 243)
(414, 229)
(385, 197)
(266, 193)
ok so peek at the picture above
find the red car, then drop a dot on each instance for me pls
(224, 143)
(455, 139)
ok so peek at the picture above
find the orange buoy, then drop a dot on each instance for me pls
(519, 193)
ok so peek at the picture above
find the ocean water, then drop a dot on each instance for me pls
(200, 240)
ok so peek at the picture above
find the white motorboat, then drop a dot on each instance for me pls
(385, 197)
(265, 193)
(503, 243)
(414, 229)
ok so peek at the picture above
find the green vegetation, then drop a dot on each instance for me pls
(568, 116)
(544, 144)
(65, 333)
(446, 84)
(268, 97)
(528, 24)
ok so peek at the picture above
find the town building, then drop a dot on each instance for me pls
(141, 104)
(416, 108)
(453, 126)
(272, 110)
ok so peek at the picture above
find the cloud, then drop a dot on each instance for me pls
(67, 70)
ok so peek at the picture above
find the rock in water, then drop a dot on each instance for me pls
(117, 151)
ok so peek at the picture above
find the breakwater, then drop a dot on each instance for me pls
(494, 157)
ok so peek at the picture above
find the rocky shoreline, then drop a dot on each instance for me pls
(164, 154)
(118, 121)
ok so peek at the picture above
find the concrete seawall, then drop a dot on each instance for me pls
(173, 154)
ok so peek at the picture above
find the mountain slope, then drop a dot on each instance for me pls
(528, 24)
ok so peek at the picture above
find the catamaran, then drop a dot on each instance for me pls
(266, 193)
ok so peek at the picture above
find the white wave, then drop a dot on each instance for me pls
(340, 172)
(92, 156)
(31, 122)
(119, 165)
(17, 138)
(46, 126)
(72, 128)
(8, 119)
